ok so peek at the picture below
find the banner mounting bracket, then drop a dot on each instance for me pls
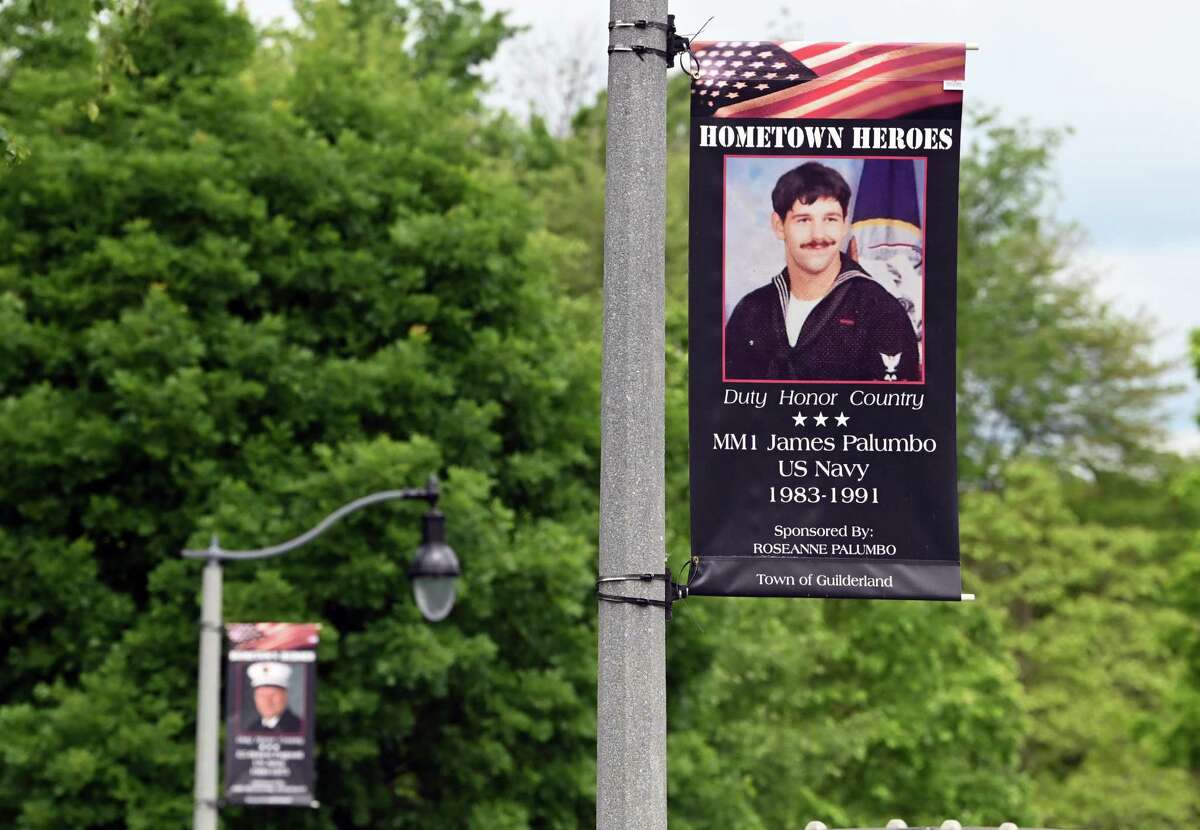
(676, 44)
(672, 591)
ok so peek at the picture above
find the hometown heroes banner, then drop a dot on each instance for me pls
(824, 210)
(270, 713)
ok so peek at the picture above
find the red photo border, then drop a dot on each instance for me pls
(725, 265)
(241, 685)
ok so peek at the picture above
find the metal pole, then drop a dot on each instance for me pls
(208, 699)
(631, 728)
(208, 686)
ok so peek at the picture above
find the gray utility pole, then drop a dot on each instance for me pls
(631, 711)
(208, 698)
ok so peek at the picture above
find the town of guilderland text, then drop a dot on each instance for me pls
(825, 580)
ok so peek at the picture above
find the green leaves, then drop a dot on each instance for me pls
(1065, 376)
(1086, 624)
(245, 279)
(266, 278)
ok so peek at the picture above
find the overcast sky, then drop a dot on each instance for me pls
(1119, 76)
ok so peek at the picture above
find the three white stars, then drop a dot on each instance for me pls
(800, 419)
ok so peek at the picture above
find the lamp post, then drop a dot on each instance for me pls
(434, 573)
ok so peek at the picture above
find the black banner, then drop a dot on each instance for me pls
(824, 209)
(271, 714)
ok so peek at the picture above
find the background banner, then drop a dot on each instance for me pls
(824, 210)
(271, 713)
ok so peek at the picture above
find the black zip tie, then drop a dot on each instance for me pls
(673, 591)
(643, 601)
(640, 50)
(207, 626)
(641, 24)
(646, 577)
(676, 44)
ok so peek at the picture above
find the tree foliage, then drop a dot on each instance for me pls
(826, 711)
(263, 279)
(248, 276)
(1064, 375)
(780, 710)
(1184, 726)
(1086, 617)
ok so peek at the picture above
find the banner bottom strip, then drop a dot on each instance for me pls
(754, 576)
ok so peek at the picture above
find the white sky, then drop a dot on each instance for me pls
(1118, 75)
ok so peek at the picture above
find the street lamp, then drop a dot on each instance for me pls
(434, 571)
(434, 575)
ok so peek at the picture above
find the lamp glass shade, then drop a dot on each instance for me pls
(435, 596)
(434, 571)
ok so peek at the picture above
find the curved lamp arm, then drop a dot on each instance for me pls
(214, 551)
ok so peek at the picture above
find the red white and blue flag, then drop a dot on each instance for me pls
(887, 232)
(795, 79)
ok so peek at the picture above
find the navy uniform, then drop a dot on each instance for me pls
(858, 331)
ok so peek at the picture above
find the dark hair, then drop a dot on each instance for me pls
(807, 183)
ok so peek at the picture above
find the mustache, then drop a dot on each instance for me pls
(819, 243)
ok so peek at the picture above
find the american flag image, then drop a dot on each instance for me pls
(239, 633)
(763, 79)
(273, 636)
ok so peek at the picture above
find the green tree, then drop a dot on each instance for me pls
(1045, 367)
(851, 712)
(1086, 618)
(783, 711)
(1183, 727)
(41, 27)
(263, 278)
(1064, 378)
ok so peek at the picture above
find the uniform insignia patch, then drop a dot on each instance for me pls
(890, 363)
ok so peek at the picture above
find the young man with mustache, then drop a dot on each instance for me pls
(822, 317)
